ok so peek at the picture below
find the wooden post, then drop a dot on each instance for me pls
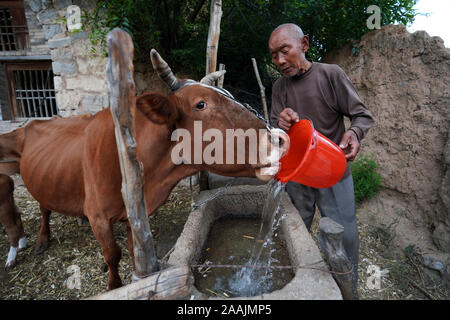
(122, 99)
(168, 284)
(262, 90)
(330, 241)
(212, 47)
(222, 78)
(213, 36)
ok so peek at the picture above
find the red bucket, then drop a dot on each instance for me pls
(313, 159)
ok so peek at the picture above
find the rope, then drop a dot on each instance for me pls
(236, 266)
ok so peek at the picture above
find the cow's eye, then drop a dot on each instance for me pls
(201, 105)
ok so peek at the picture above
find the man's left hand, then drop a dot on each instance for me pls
(350, 145)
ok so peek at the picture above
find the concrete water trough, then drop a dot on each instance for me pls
(248, 200)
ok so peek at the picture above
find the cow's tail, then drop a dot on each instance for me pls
(11, 145)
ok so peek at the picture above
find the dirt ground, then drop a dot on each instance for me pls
(48, 276)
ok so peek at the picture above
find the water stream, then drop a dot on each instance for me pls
(257, 253)
(248, 282)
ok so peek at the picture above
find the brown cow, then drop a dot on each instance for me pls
(10, 220)
(70, 165)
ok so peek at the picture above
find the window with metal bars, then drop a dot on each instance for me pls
(13, 26)
(32, 90)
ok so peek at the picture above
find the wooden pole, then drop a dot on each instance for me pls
(122, 99)
(330, 241)
(222, 78)
(262, 90)
(168, 284)
(212, 47)
(213, 36)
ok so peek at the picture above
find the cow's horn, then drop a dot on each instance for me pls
(163, 70)
(210, 78)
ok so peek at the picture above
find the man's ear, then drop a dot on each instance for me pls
(305, 43)
(158, 108)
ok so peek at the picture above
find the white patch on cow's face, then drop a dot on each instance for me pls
(22, 243)
(11, 259)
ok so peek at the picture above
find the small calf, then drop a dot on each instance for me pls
(10, 219)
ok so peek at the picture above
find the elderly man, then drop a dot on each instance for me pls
(323, 93)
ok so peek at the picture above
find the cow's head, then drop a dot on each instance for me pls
(210, 129)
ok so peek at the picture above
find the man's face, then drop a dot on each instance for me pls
(288, 53)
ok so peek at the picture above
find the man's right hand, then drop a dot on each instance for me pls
(287, 118)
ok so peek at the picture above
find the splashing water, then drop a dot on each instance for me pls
(247, 282)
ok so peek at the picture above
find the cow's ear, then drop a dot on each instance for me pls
(158, 108)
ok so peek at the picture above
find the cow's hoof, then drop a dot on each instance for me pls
(40, 247)
(10, 264)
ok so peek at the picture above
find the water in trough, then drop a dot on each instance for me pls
(250, 242)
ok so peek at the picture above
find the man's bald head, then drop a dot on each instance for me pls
(288, 46)
(292, 29)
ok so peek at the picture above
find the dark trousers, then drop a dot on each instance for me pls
(336, 203)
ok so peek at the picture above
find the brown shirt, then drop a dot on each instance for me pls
(325, 95)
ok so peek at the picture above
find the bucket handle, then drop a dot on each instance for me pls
(314, 142)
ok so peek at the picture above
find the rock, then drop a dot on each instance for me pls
(87, 83)
(441, 237)
(404, 79)
(50, 30)
(93, 103)
(64, 68)
(35, 5)
(60, 54)
(62, 4)
(47, 16)
(58, 43)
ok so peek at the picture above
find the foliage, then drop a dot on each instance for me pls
(365, 178)
(179, 28)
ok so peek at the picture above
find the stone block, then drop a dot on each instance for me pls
(68, 100)
(58, 43)
(86, 83)
(93, 103)
(35, 5)
(50, 30)
(46, 3)
(64, 68)
(61, 54)
(48, 16)
(62, 4)
(93, 66)
(58, 83)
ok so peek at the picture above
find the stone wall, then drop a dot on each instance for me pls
(404, 80)
(80, 78)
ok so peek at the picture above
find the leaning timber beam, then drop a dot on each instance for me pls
(122, 99)
(168, 284)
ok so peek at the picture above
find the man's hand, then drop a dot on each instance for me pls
(350, 145)
(287, 118)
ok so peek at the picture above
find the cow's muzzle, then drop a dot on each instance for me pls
(278, 147)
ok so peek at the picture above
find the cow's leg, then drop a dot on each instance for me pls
(130, 243)
(19, 225)
(44, 233)
(103, 231)
(7, 219)
(10, 220)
